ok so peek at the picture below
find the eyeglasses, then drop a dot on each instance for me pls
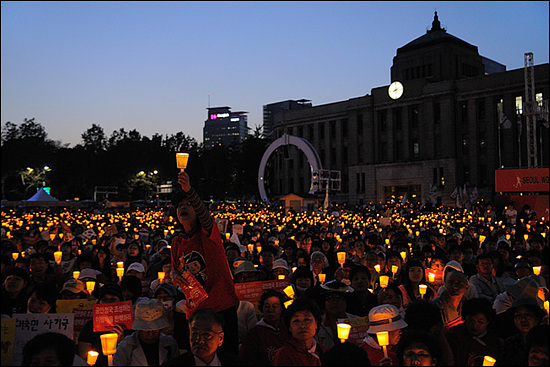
(205, 335)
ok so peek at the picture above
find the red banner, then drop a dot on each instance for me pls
(521, 180)
(252, 291)
(107, 315)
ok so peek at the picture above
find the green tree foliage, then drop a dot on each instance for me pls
(223, 173)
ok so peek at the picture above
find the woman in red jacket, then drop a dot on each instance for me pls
(302, 318)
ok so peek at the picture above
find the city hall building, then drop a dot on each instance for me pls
(449, 119)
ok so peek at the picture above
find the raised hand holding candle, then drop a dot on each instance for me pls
(181, 160)
(343, 331)
(120, 273)
(422, 288)
(341, 258)
(394, 269)
(383, 340)
(108, 345)
(58, 255)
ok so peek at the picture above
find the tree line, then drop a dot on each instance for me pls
(133, 163)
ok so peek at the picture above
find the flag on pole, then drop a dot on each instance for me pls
(474, 195)
(503, 120)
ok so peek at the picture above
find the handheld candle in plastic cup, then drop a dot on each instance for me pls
(343, 331)
(383, 340)
(92, 357)
(422, 288)
(488, 361)
(108, 345)
(181, 160)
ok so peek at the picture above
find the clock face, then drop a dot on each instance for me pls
(395, 90)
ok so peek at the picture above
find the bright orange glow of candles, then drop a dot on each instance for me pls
(76, 274)
(488, 361)
(322, 278)
(343, 331)
(422, 288)
(92, 357)
(536, 270)
(384, 279)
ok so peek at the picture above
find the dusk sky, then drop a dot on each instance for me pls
(150, 66)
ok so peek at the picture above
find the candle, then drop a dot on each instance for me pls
(76, 274)
(294, 268)
(281, 276)
(488, 361)
(403, 255)
(546, 306)
(525, 236)
(181, 160)
(161, 276)
(422, 289)
(15, 255)
(250, 248)
(289, 291)
(108, 345)
(92, 357)
(431, 277)
(384, 279)
(288, 303)
(341, 258)
(259, 248)
(120, 264)
(58, 255)
(343, 331)
(536, 270)
(90, 288)
(322, 278)
(394, 269)
(383, 340)
(481, 238)
(120, 272)
(227, 235)
(377, 268)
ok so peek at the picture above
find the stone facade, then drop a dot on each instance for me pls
(444, 130)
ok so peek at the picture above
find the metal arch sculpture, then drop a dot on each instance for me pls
(302, 144)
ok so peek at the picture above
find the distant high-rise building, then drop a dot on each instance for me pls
(273, 108)
(223, 127)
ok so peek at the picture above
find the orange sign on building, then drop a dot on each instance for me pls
(521, 180)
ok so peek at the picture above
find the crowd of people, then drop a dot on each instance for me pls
(449, 286)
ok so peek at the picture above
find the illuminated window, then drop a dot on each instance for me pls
(538, 98)
(519, 105)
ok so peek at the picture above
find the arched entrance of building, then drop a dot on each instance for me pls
(302, 144)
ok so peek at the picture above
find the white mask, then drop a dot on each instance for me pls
(168, 305)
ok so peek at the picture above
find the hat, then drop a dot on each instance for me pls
(335, 286)
(522, 264)
(19, 272)
(164, 249)
(73, 285)
(238, 261)
(149, 315)
(524, 287)
(246, 267)
(168, 288)
(529, 302)
(87, 273)
(385, 318)
(137, 267)
(457, 235)
(281, 263)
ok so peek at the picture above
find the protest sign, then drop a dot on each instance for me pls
(81, 308)
(27, 326)
(359, 327)
(7, 335)
(107, 315)
(252, 291)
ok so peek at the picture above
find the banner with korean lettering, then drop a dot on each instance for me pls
(81, 308)
(107, 315)
(252, 291)
(521, 180)
(7, 337)
(27, 326)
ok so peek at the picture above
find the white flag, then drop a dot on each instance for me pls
(504, 121)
